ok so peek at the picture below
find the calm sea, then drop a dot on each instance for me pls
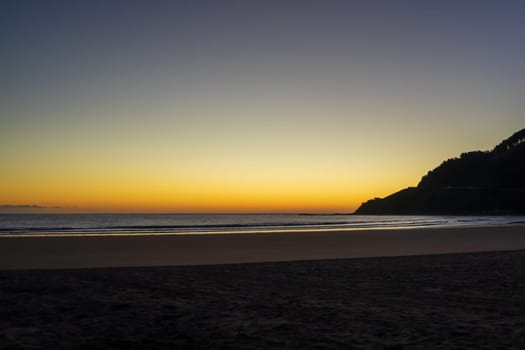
(127, 224)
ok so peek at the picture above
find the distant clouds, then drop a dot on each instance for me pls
(24, 206)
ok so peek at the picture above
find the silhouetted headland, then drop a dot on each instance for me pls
(476, 183)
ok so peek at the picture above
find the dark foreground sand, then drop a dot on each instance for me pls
(455, 301)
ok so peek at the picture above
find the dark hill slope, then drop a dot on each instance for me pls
(490, 182)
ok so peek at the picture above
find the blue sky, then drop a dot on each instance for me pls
(248, 105)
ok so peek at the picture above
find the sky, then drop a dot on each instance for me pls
(247, 106)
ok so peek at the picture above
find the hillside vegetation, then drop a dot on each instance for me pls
(479, 182)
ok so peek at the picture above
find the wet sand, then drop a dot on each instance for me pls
(457, 301)
(121, 251)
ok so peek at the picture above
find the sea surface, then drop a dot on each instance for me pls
(152, 224)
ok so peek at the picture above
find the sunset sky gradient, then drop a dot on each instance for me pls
(240, 106)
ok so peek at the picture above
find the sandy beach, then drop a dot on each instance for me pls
(454, 301)
(170, 250)
(384, 289)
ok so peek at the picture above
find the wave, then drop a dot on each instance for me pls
(168, 228)
(181, 224)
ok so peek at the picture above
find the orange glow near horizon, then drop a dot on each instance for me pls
(121, 199)
(249, 179)
(221, 177)
(209, 191)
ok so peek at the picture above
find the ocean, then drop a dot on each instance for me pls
(155, 224)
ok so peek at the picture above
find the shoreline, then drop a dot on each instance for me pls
(19, 253)
(261, 230)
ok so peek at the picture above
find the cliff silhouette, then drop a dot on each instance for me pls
(476, 183)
